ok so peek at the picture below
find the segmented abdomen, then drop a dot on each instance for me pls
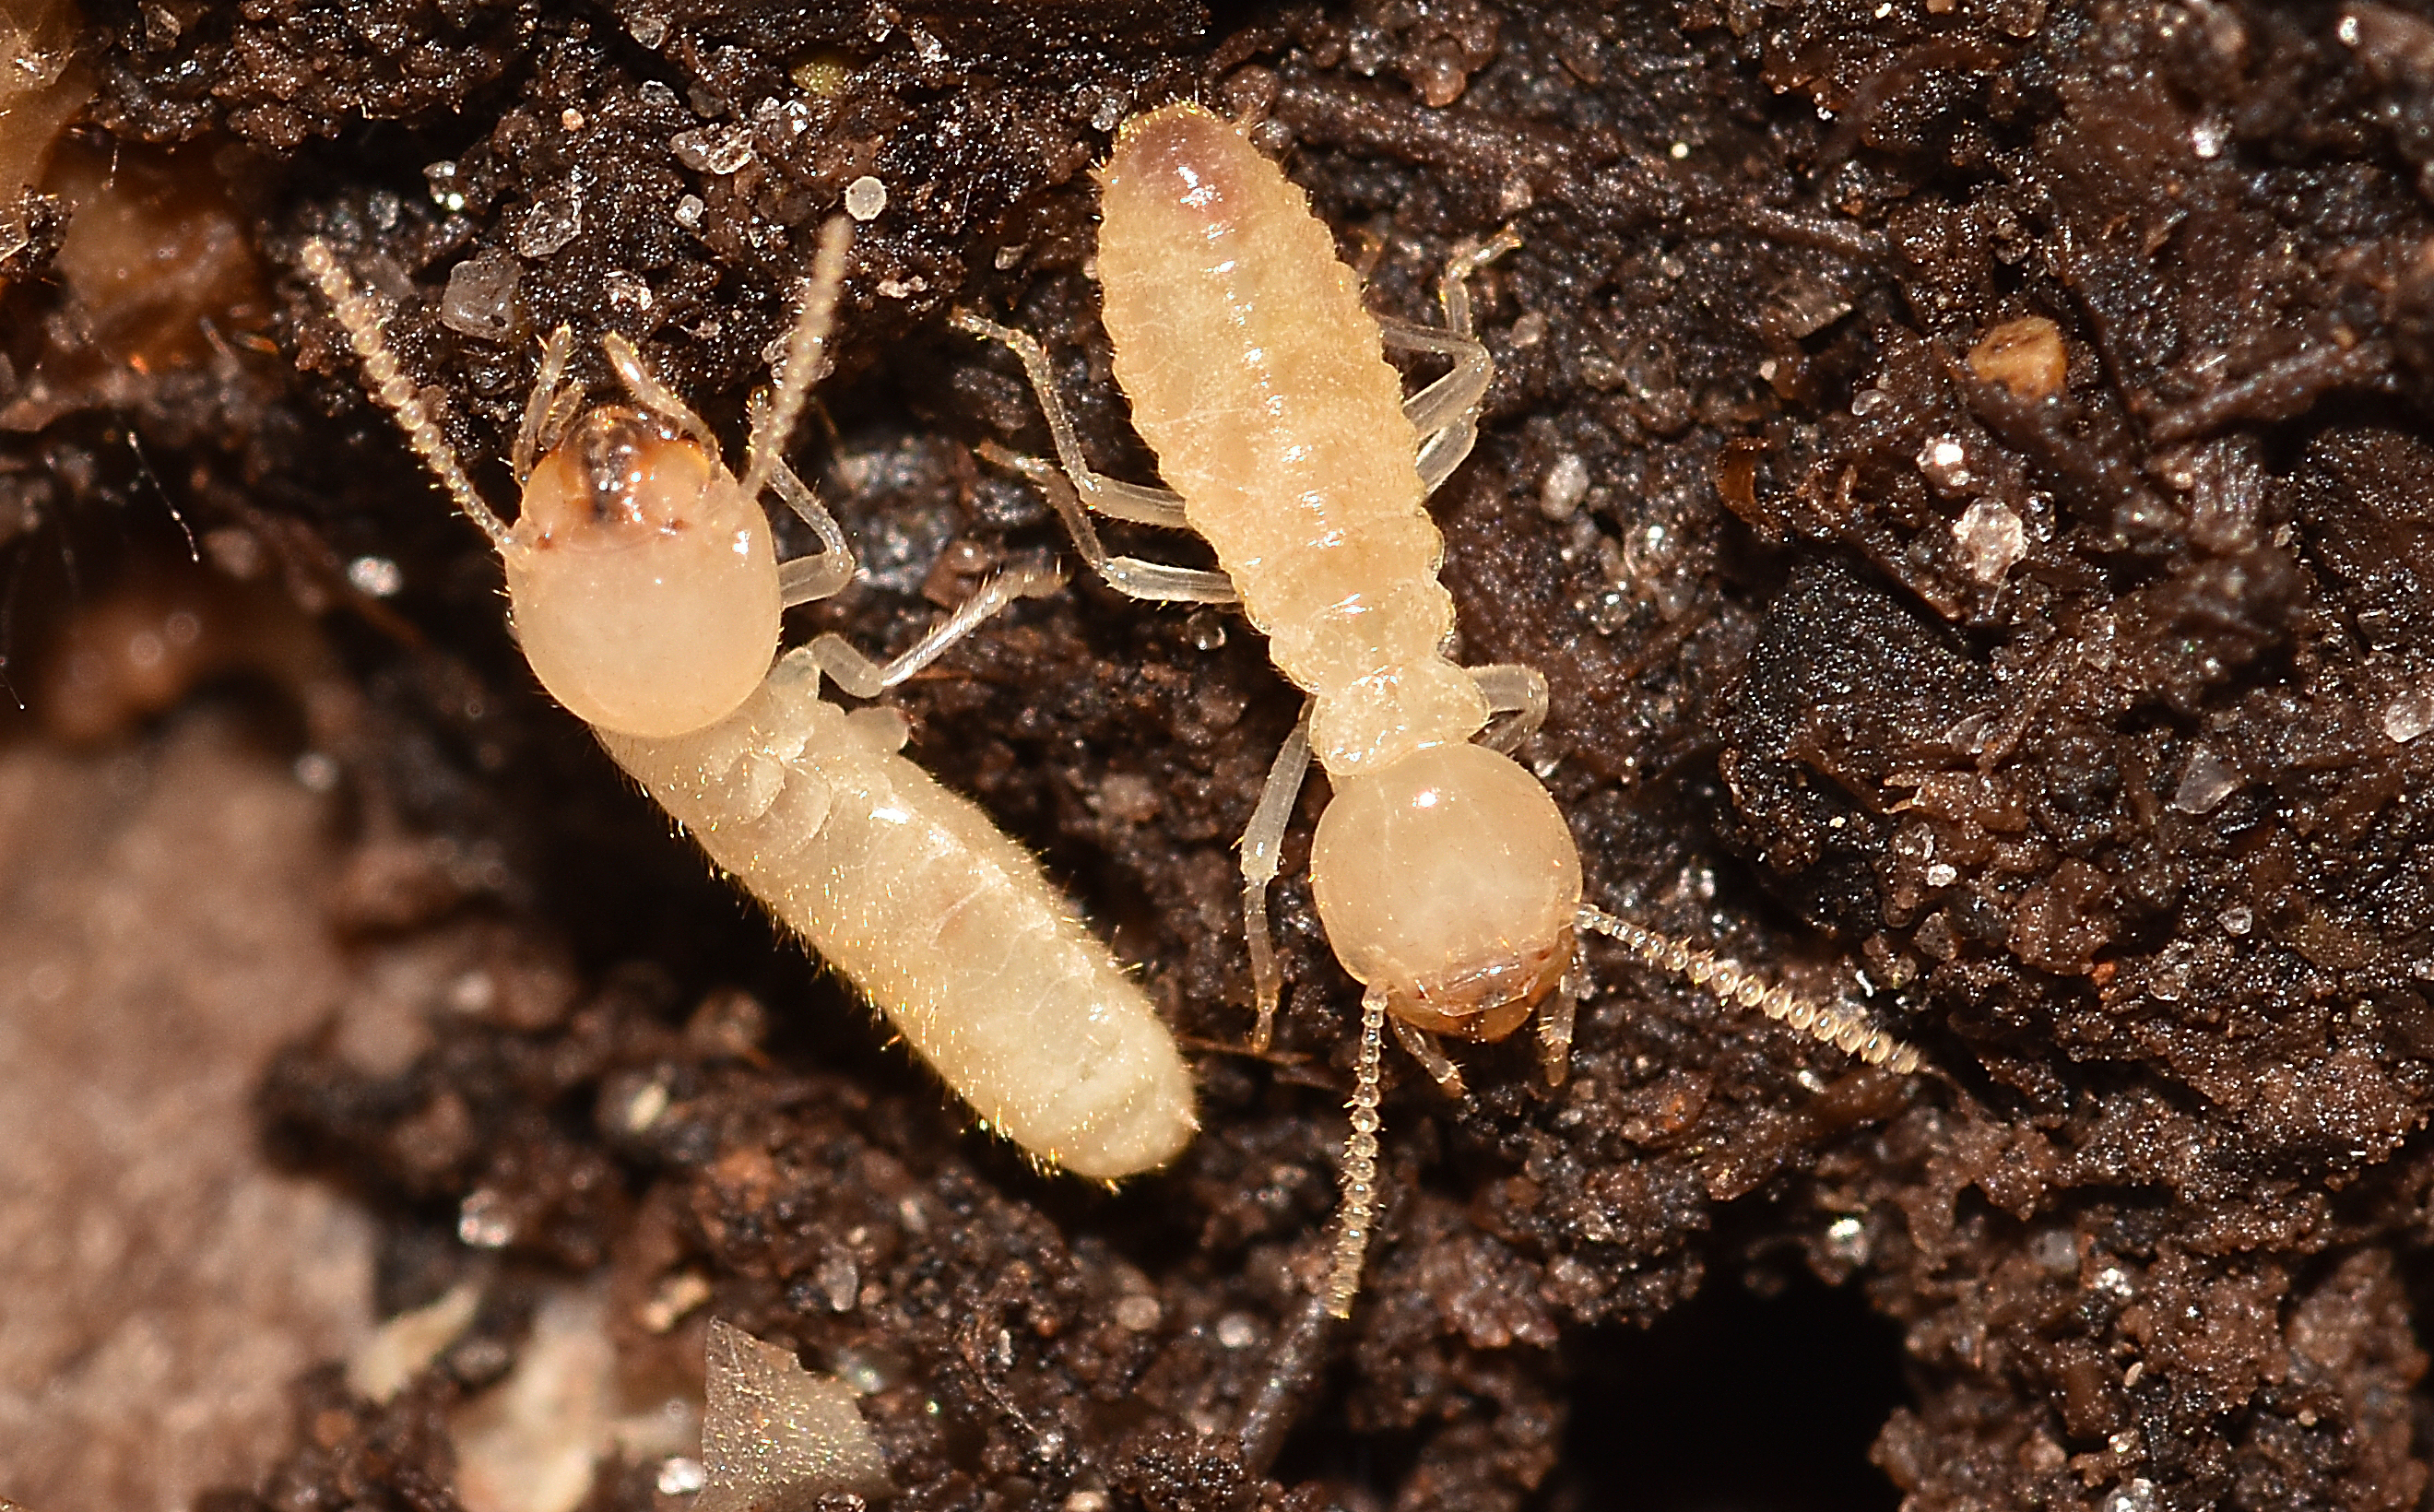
(1256, 376)
(946, 924)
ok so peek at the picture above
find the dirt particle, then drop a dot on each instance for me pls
(2025, 355)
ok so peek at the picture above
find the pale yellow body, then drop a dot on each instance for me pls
(1446, 878)
(949, 926)
(645, 594)
(1256, 376)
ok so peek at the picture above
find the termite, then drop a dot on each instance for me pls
(646, 592)
(1446, 876)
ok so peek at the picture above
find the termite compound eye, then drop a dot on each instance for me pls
(644, 585)
(1450, 880)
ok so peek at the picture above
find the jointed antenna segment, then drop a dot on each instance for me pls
(806, 345)
(1737, 985)
(363, 322)
(1359, 1161)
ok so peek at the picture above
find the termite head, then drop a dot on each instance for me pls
(645, 584)
(1450, 882)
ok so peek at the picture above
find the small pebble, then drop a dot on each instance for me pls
(377, 576)
(2408, 716)
(1946, 462)
(866, 198)
(2205, 784)
(1991, 540)
(480, 296)
(1565, 486)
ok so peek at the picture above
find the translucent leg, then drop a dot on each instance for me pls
(653, 395)
(1138, 502)
(1422, 1046)
(1444, 400)
(862, 678)
(1360, 1208)
(1453, 286)
(805, 579)
(1263, 854)
(1446, 413)
(806, 357)
(1117, 501)
(1738, 987)
(1556, 1033)
(542, 405)
(1517, 690)
(1156, 582)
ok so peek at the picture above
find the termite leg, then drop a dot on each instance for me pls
(1133, 502)
(1078, 490)
(1555, 1031)
(1446, 413)
(1515, 690)
(1453, 286)
(542, 405)
(1262, 855)
(1422, 1046)
(862, 678)
(1359, 1161)
(1129, 576)
(807, 579)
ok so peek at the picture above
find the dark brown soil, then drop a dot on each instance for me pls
(2078, 706)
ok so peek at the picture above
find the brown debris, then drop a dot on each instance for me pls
(2024, 355)
(159, 943)
(1964, 470)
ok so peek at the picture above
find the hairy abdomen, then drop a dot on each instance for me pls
(946, 924)
(1256, 376)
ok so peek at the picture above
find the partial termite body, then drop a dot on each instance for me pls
(646, 592)
(1448, 881)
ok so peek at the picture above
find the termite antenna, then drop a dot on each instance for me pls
(392, 389)
(806, 354)
(1737, 985)
(1359, 1161)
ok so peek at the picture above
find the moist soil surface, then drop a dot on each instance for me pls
(1962, 467)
